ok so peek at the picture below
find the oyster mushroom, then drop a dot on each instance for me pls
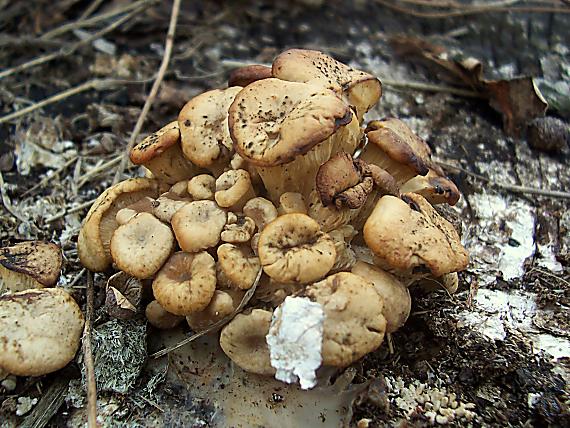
(292, 248)
(202, 187)
(233, 189)
(261, 211)
(141, 246)
(223, 303)
(32, 264)
(243, 341)
(408, 236)
(161, 153)
(354, 324)
(361, 90)
(40, 331)
(243, 76)
(435, 188)
(204, 130)
(158, 317)
(100, 223)
(288, 129)
(237, 266)
(186, 283)
(198, 225)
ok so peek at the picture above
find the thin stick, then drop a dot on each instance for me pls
(101, 168)
(6, 201)
(431, 88)
(154, 90)
(47, 179)
(512, 187)
(88, 356)
(244, 301)
(71, 211)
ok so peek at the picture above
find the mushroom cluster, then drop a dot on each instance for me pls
(279, 173)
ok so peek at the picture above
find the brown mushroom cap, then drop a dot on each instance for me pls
(408, 234)
(202, 187)
(272, 121)
(204, 129)
(433, 187)
(396, 296)
(162, 154)
(141, 246)
(243, 76)
(158, 317)
(354, 324)
(198, 225)
(32, 264)
(100, 222)
(300, 65)
(292, 248)
(223, 303)
(233, 189)
(237, 266)
(40, 331)
(243, 341)
(186, 283)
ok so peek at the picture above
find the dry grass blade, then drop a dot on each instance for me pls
(154, 90)
(6, 200)
(88, 356)
(246, 298)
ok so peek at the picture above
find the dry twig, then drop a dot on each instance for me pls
(154, 90)
(6, 200)
(428, 87)
(88, 356)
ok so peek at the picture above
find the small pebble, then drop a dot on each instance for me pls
(9, 384)
(548, 134)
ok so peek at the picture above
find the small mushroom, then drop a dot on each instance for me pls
(141, 246)
(204, 129)
(354, 324)
(292, 248)
(329, 217)
(292, 202)
(237, 267)
(161, 153)
(243, 341)
(243, 76)
(345, 257)
(433, 187)
(123, 296)
(198, 225)
(396, 297)
(186, 283)
(448, 281)
(336, 175)
(145, 205)
(233, 189)
(167, 204)
(408, 236)
(222, 304)
(273, 292)
(202, 187)
(261, 211)
(32, 264)
(158, 317)
(40, 331)
(100, 223)
(238, 229)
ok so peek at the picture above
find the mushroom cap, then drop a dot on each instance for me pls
(204, 128)
(408, 234)
(243, 76)
(141, 246)
(40, 331)
(158, 317)
(363, 90)
(292, 248)
(292, 202)
(238, 231)
(237, 266)
(186, 283)
(223, 303)
(100, 223)
(243, 341)
(32, 264)
(233, 189)
(354, 324)
(435, 188)
(167, 204)
(123, 216)
(202, 187)
(395, 295)
(335, 176)
(261, 211)
(198, 225)
(272, 121)
(155, 144)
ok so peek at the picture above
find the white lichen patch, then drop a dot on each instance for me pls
(295, 340)
(24, 405)
(436, 403)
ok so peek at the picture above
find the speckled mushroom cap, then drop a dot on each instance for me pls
(40, 331)
(243, 341)
(198, 225)
(142, 245)
(393, 146)
(362, 90)
(272, 121)
(32, 264)
(204, 130)
(186, 283)
(162, 154)
(100, 222)
(407, 235)
(237, 266)
(354, 324)
(233, 189)
(435, 188)
(292, 248)
(247, 74)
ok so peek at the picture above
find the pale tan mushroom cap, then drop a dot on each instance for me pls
(272, 121)
(40, 331)
(243, 341)
(292, 202)
(160, 318)
(204, 127)
(223, 303)
(433, 187)
(238, 231)
(167, 204)
(186, 283)
(408, 233)
(202, 187)
(141, 246)
(238, 266)
(233, 189)
(354, 324)
(261, 211)
(293, 249)
(100, 223)
(198, 225)
(32, 264)
(396, 296)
